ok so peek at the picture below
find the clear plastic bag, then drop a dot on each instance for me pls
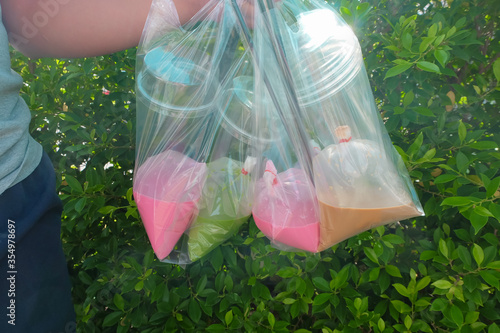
(180, 72)
(337, 171)
(263, 111)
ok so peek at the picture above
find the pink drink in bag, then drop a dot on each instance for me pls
(285, 208)
(167, 188)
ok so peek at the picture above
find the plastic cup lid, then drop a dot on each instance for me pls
(330, 54)
(168, 67)
(239, 121)
(166, 73)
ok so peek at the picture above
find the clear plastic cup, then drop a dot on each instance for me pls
(358, 181)
(330, 55)
(175, 98)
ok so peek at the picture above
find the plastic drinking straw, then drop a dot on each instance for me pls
(290, 92)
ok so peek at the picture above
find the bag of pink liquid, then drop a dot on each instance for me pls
(180, 72)
(335, 173)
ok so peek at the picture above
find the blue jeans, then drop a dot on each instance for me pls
(35, 291)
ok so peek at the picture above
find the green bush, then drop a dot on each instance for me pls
(434, 67)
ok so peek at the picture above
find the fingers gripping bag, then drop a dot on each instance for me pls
(179, 75)
(336, 136)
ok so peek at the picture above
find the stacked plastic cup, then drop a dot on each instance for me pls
(174, 100)
(359, 178)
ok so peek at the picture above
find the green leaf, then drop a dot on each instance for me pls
(492, 187)
(490, 279)
(401, 289)
(381, 325)
(451, 32)
(494, 265)
(464, 255)
(439, 40)
(427, 156)
(442, 284)
(194, 310)
(119, 301)
(415, 146)
(374, 274)
(112, 318)
(107, 210)
(229, 317)
(401, 307)
(462, 131)
(271, 319)
(407, 40)
(362, 9)
(432, 32)
(74, 184)
(478, 254)
(345, 10)
(471, 317)
(457, 315)
(393, 270)
(408, 321)
(478, 221)
(399, 110)
(442, 57)
(321, 299)
(393, 239)
(422, 302)
(481, 210)
(287, 272)
(443, 248)
(428, 66)
(216, 328)
(426, 41)
(424, 111)
(201, 284)
(456, 201)
(496, 70)
(438, 305)
(228, 283)
(408, 99)
(289, 301)
(396, 70)
(321, 283)
(442, 179)
(483, 145)
(462, 162)
(80, 204)
(139, 285)
(423, 282)
(341, 278)
(370, 253)
(494, 328)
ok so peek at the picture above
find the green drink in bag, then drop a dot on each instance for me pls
(225, 206)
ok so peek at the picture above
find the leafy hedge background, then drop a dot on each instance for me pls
(434, 67)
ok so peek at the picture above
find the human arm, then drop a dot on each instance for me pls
(80, 28)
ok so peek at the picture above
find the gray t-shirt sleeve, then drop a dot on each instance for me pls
(20, 154)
